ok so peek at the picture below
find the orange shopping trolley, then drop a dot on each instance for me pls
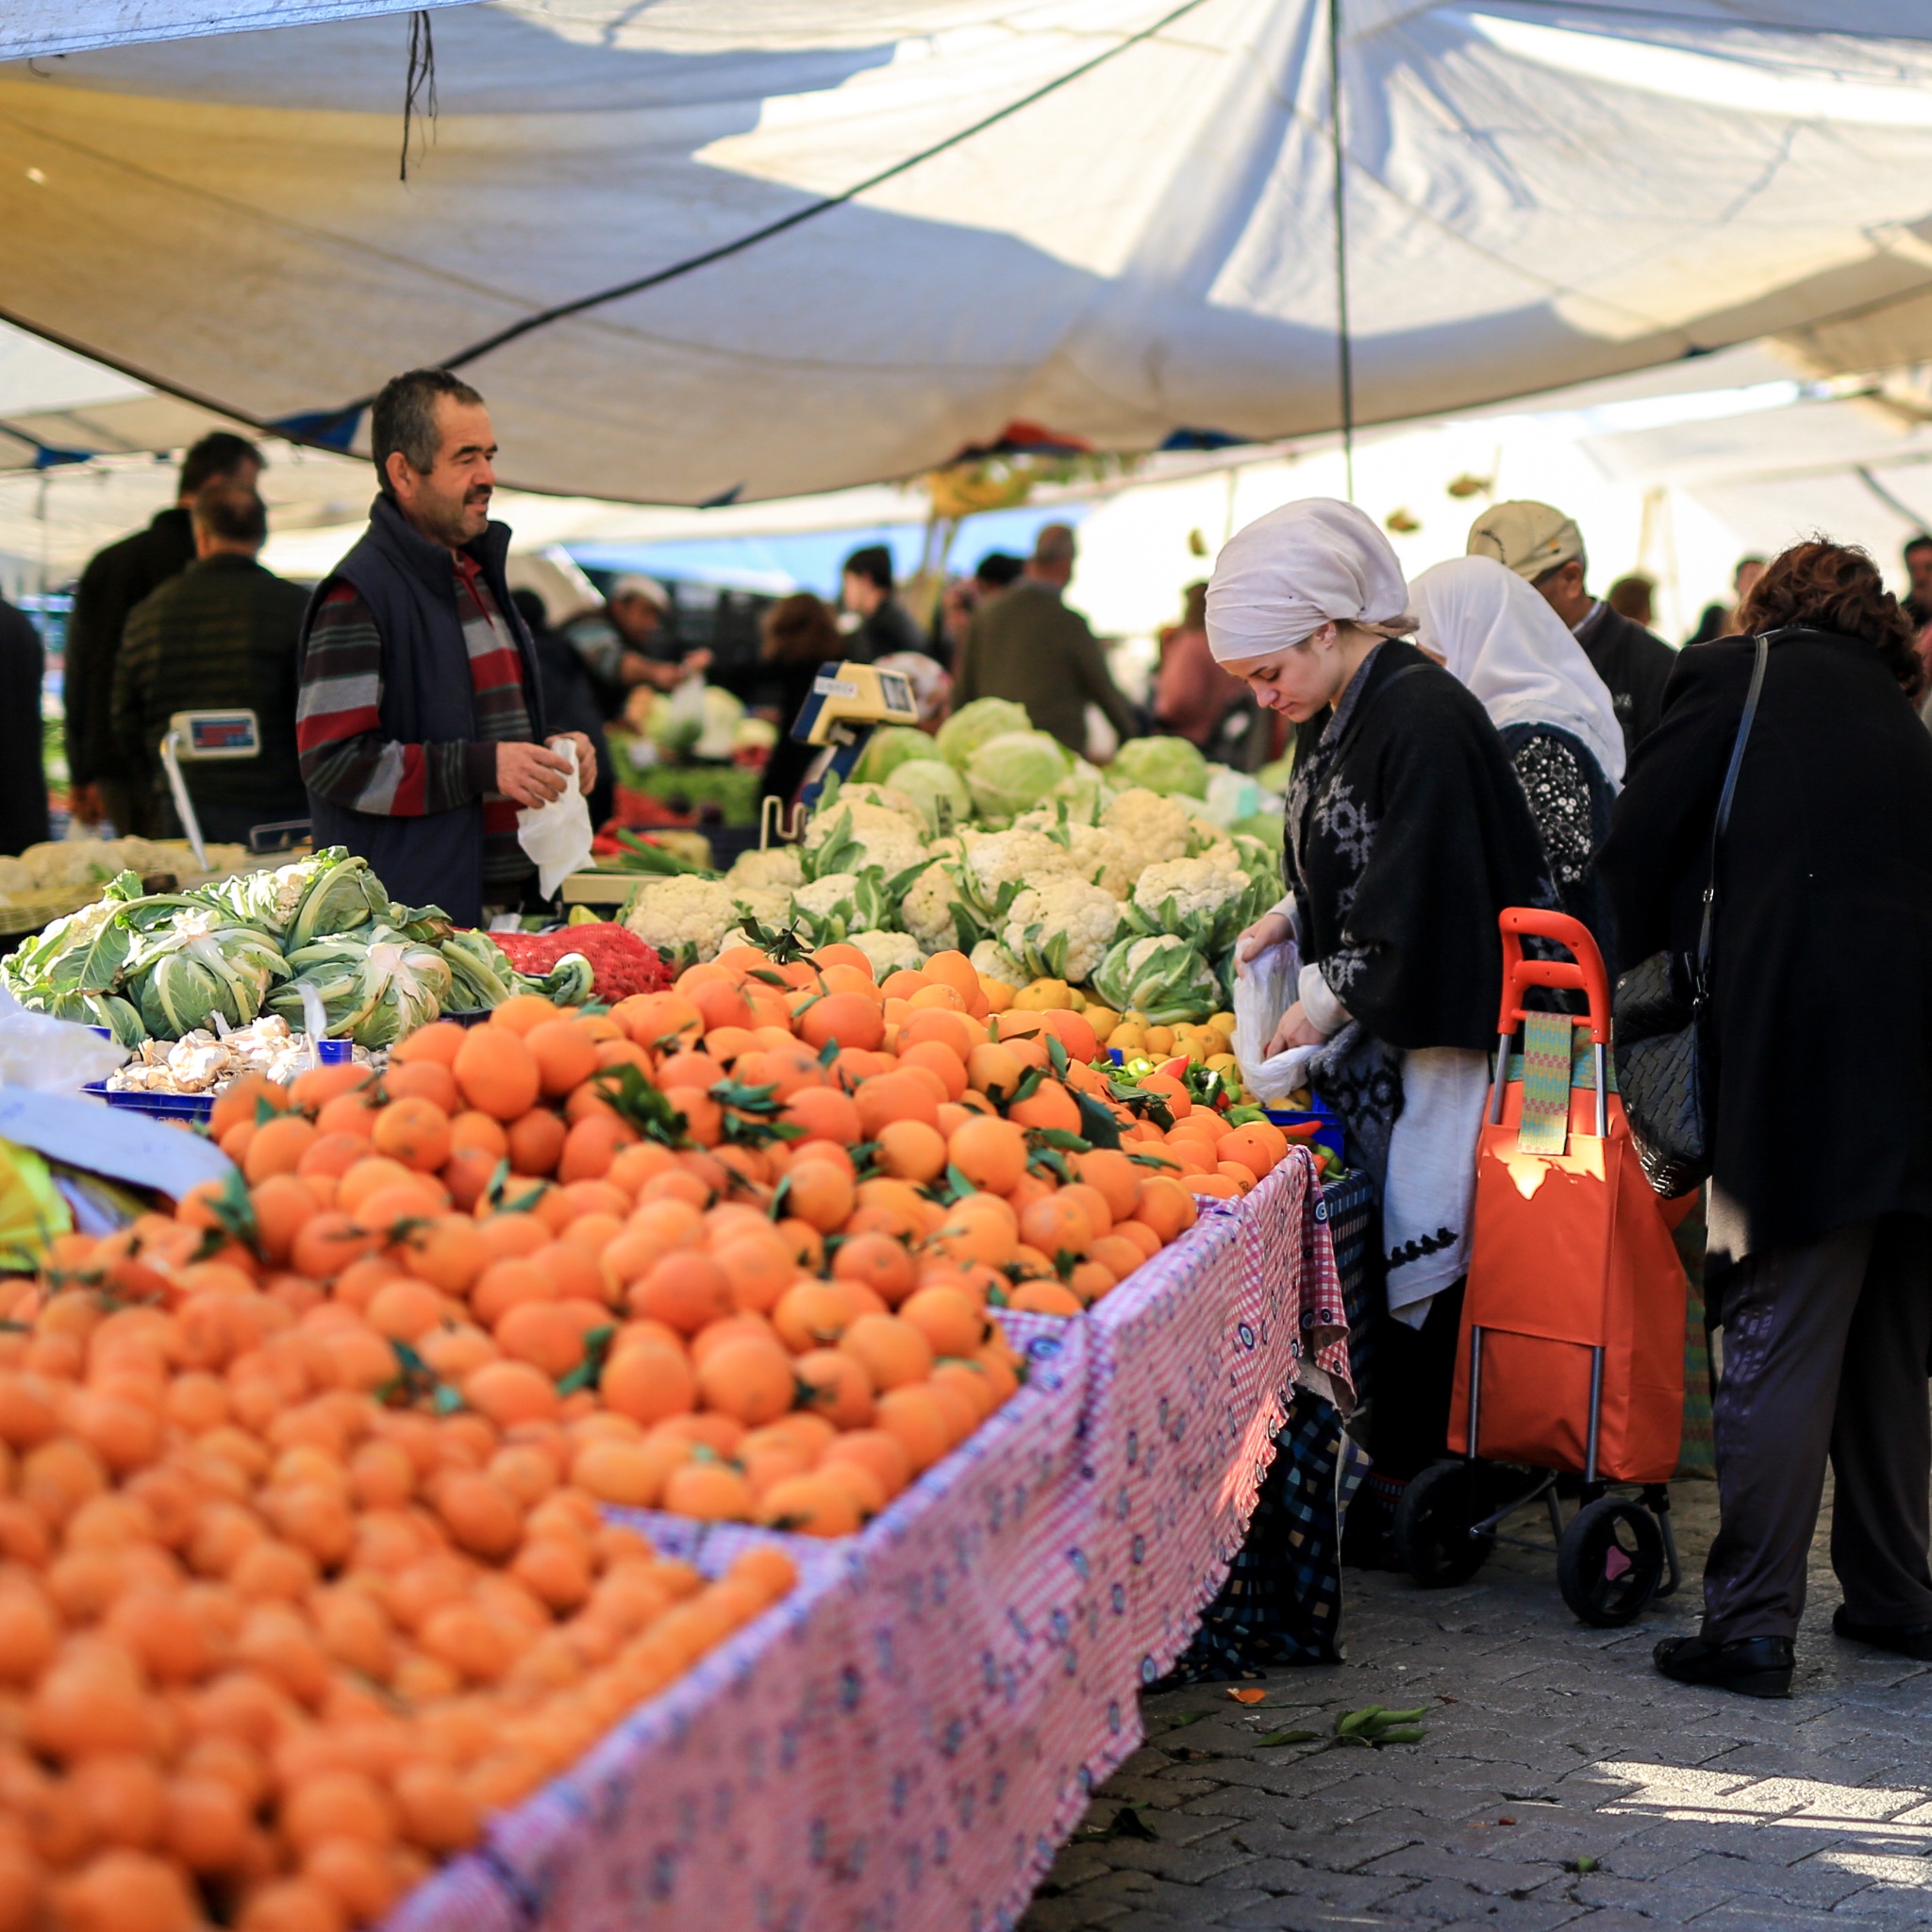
(1570, 1366)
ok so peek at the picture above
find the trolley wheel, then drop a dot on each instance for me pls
(1609, 1561)
(1431, 1529)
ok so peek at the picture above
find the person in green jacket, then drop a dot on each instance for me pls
(221, 636)
(1027, 646)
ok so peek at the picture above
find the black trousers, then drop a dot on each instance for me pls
(1824, 1353)
(1415, 1377)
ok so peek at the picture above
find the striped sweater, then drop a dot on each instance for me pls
(339, 729)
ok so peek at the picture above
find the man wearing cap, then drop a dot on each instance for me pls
(623, 643)
(1539, 542)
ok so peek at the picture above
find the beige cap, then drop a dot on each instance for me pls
(1531, 539)
(636, 585)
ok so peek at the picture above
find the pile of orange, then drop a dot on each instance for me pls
(305, 1567)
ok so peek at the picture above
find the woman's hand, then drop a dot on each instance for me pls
(1293, 1029)
(1271, 929)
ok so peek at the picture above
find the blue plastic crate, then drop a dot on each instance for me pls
(1328, 1132)
(159, 1106)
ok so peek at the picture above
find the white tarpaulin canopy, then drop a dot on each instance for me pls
(1131, 235)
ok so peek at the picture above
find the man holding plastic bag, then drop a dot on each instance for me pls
(419, 711)
(1375, 977)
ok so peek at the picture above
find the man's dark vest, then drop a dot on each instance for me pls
(410, 585)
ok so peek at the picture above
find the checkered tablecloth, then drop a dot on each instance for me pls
(903, 1743)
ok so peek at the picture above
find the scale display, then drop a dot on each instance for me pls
(215, 735)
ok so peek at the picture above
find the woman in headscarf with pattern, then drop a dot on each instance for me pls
(1493, 632)
(1407, 835)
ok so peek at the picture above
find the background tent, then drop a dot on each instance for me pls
(1677, 470)
(1111, 218)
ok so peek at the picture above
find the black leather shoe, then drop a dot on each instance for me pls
(1756, 1666)
(1904, 1639)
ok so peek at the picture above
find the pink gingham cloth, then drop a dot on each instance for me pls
(902, 1744)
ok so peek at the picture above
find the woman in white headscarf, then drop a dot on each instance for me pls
(1493, 632)
(1406, 834)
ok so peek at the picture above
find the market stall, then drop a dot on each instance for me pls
(907, 1739)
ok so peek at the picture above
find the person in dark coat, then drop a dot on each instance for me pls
(1031, 647)
(570, 695)
(23, 771)
(1406, 834)
(1819, 1202)
(801, 636)
(219, 637)
(885, 625)
(1545, 548)
(102, 784)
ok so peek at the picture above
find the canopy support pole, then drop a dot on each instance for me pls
(1343, 354)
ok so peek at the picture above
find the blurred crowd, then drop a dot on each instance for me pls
(183, 616)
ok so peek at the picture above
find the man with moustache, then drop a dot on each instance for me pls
(419, 711)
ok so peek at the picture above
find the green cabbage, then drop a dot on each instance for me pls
(183, 974)
(1159, 764)
(888, 748)
(937, 790)
(341, 895)
(1086, 793)
(1163, 977)
(480, 970)
(373, 991)
(1017, 769)
(973, 724)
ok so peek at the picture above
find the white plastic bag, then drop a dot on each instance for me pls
(557, 836)
(51, 1055)
(1265, 988)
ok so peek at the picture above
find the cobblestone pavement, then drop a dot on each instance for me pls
(1561, 1782)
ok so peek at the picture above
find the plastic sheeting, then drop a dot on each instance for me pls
(1536, 195)
(42, 27)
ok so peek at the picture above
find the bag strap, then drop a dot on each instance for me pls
(1724, 804)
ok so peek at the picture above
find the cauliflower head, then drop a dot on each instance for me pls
(857, 834)
(1063, 931)
(993, 960)
(878, 797)
(778, 869)
(1015, 856)
(684, 917)
(1152, 827)
(824, 897)
(926, 911)
(768, 904)
(860, 816)
(889, 951)
(1102, 857)
(1195, 887)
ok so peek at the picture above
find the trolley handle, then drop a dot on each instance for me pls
(1584, 972)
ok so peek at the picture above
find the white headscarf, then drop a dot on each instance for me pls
(1284, 575)
(1496, 635)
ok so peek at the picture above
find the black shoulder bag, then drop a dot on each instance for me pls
(1661, 1021)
